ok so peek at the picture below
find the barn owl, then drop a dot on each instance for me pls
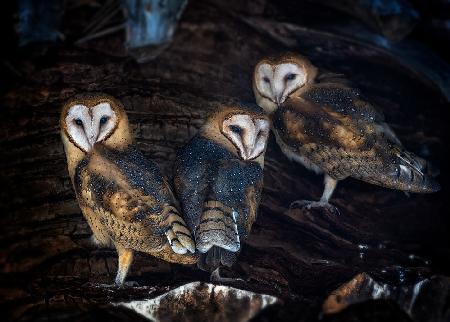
(125, 199)
(218, 179)
(320, 121)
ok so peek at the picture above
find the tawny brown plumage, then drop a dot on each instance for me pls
(218, 179)
(123, 196)
(322, 122)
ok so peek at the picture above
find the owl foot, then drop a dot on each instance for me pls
(127, 284)
(216, 278)
(95, 241)
(309, 204)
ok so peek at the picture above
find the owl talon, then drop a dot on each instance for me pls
(308, 205)
(127, 284)
(130, 284)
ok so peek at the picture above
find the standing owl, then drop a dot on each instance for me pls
(219, 178)
(320, 121)
(124, 197)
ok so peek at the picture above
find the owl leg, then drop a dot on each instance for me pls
(330, 185)
(125, 259)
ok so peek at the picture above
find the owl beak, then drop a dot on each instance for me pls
(250, 155)
(279, 99)
(254, 153)
(247, 155)
(92, 138)
(250, 151)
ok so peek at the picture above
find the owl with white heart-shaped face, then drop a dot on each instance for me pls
(219, 178)
(124, 197)
(324, 123)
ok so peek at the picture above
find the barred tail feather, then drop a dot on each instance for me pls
(218, 228)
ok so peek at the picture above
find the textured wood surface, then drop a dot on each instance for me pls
(48, 268)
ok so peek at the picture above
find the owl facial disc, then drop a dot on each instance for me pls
(87, 126)
(248, 135)
(277, 82)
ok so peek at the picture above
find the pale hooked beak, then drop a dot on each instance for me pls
(250, 153)
(247, 154)
(92, 138)
(279, 99)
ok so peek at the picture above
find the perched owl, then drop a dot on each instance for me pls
(320, 121)
(123, 196)
(218, 179)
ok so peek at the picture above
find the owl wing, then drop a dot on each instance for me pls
(337, 92)
(193, 171)
(221, 196)
(136, 204)
(228, 213)
(341, 134)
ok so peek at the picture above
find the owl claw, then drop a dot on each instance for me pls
(308, 204)
(127, 284)
(216, 278)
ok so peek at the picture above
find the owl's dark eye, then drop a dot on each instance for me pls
(103, 120)
(260, 134)
(290, 76)
(236, 129)
(266, 79)
(78, 122)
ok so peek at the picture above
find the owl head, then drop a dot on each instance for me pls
(275, 79)
(244, 130)
(90, 119)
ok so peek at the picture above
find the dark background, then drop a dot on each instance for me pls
(48, 269)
